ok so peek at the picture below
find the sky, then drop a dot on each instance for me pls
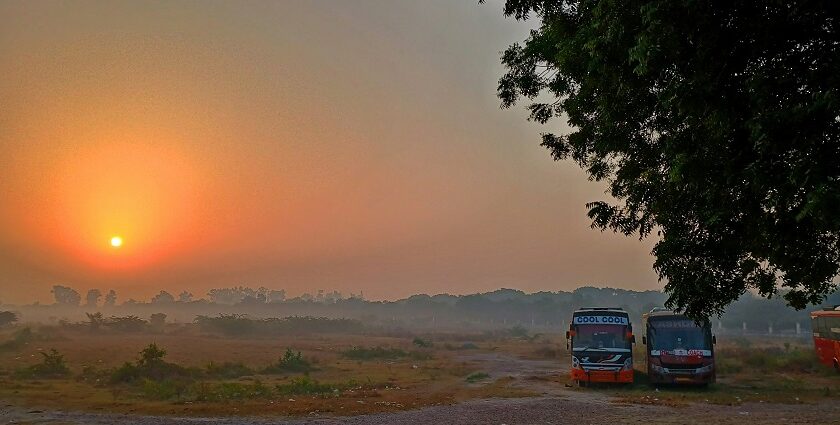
(355, 146)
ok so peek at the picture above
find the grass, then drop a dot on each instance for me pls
(52, 366)
(381, 353)
(476, 377)
(291, 362)
(204, 375)
(777, 372)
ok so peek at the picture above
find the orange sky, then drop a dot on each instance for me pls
(302, 145)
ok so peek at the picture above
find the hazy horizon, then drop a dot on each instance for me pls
(303, 146)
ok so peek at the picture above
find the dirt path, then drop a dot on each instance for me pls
(557, 405)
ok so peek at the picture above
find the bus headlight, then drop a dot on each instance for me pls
(575, 363)
(628, 364)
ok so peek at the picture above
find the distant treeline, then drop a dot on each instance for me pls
(502, 308)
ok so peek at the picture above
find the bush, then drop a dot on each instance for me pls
(290, 362)
(51, 366)
(422, 343)
(126, 323)
(7, 318)
(167, 389)
(767, 360)
(228, 370)
(19, 339)
(476, 376)
(150, 366)
(305, 385)
(375, 353)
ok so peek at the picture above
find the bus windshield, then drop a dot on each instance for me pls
(601, 337)
(678, 334)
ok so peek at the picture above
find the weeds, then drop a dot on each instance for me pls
(150, 366)
(476, 377)
(19, 339)
(422, 343)
(305, 385)
(228, 370)
(290, 362)
(52, 365)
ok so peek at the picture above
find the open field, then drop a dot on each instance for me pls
(373, 375)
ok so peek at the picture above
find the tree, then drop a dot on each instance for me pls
(158, 320)
(111, 298)
(95, 320)
(66, 295)
(92, 298)
(715, 124)
(185, 297)
(7, 318)
(162, 298)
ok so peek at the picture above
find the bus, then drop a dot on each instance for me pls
(678, 350)
(826, 328)
(601, 341)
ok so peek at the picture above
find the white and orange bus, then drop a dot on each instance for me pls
(601, 341)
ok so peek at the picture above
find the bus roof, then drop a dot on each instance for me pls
(827, 311)
(661, 312)
(618, 310)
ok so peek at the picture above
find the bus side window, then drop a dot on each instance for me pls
(833, 328)
(819, 327)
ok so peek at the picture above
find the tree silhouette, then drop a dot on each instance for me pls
(716, 125)
(66, 295)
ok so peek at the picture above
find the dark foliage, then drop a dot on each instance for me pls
(151, 366)
(290, 362)
(7, 318)
(716, 125)
(52, 365)
(240, 324)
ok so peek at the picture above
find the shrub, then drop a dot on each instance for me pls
(7, 318)
(375, 353)
(240, 324)
(228, 370)
(150, 366)
(19, 339)
(126, 323)
(290, 362)
(422, 343)
(51, 366)
(166, 389)
(476, 376)
(305, 385)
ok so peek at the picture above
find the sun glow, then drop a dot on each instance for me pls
(116, 242)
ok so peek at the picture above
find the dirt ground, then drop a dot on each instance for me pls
(553, 403)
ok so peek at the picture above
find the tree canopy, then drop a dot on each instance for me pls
(716, 126)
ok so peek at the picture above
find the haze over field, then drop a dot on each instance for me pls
(350, 146)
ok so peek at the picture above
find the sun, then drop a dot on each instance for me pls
(116, 242)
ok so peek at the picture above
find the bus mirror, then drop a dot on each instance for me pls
(568, 335)
(644, 340)
(714, 340)
(633, 339)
